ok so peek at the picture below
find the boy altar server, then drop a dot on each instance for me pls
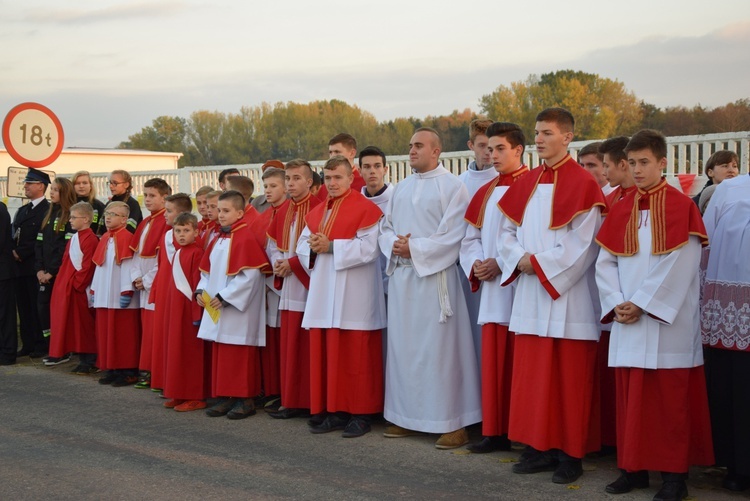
(346, 306)
(432, 374)
(648, 278)
(293, 280)
(547, 245)
(71, 318)
(479, 260)
(145, 243)
(187, 374)
(118, 330)
(232, 276)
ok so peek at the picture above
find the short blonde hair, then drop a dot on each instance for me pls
(119, 205)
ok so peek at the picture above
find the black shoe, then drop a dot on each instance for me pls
(317, 419)
(490, 444)
(528, 453)
(332, 422)
(272, 404)
(287, 413)
(124, 381)
(108, 378)
(629, 481)
(672, 490)
(220, 408)
(543, 461)
(243, 407)
(735, 482)
(356, 427)
(568, 471)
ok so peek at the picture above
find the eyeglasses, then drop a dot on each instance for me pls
(115, 183)
(113, 214)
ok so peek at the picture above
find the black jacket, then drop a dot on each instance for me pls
(97, 223)
(26, 226)
(50, 243)
(7, 263)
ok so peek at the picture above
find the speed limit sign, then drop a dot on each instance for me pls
(33, 135)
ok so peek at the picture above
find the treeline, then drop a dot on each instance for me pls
(602, 108)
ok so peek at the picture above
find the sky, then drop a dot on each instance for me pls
(107, 68)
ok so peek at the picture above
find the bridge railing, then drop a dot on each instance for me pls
(685, 155)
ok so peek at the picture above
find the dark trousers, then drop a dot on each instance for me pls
(727, 377)
(44, 296)
(8, 326)
(27, 291)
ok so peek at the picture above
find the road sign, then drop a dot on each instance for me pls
(16, 175)
(33, 135)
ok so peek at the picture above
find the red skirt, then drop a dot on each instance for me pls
(346, 371)
(607, 393)
(235, 371)
(118, 336)
(161, 318)
(147, 331)
(72, 324)
(555, 395)
(188, 372)
(270, 361)
(295, 361)
(663, 422)
(497, 374)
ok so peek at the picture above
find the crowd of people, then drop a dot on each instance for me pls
(567, 307)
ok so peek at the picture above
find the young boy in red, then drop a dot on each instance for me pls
(117, 314)
(187, 376)
(71, 318)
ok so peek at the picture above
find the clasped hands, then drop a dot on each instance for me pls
(319, 243)
(627, 313)
(401, 246)
(486, 270)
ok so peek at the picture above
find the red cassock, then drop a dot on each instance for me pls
(188, 366)
(71, 319)
(156, 224)
(294, 345)
(357, 184)
(555, 389)
(162, 316)
(346, 365)
(118, 331)
(270, 354)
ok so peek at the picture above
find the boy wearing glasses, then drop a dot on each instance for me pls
(117, 315)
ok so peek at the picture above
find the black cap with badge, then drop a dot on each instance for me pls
(36, 176)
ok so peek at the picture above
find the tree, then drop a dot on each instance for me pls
(602, 107)
(164, 134)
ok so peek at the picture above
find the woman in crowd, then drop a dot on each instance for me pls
(121, 186)
(86, 192)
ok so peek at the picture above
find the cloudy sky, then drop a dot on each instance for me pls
(107, 68)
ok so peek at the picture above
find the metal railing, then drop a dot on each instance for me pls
(685, 155)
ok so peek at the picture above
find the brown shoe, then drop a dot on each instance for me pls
(190, 405)
(395, 431)
(453, 440)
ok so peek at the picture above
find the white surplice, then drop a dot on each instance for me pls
(473, 180)
(480, 244)
(346, 290)
(432, 375)
(243, 321)
(111, 279)
(725, 308)
(663, 286)
(293, 293)
(382, 202)
(145, 269)
(567, 256)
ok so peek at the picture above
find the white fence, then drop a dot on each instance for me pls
(685, 155)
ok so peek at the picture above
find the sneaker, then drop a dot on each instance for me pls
(332, 422)
(108, 378)
(190, 405)
(171, 404)
(124, 381)
(243, 407)
(356, 427)
(50, 361)
(395, 431)
(143, 384)
(453, 440)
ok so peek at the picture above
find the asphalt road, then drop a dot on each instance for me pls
(67, 437)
